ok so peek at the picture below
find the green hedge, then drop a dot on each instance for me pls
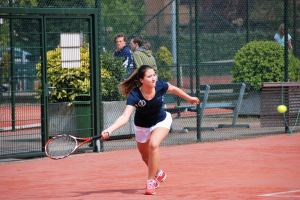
(263, 61)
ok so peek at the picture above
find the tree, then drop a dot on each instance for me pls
(123, 15)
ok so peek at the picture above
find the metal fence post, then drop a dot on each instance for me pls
(191, 48)
(286, 46)
(248, 21)
(178, 67)
(98, 106)
(45, 94)
(197, 35)
(13, 75)
(295, 30)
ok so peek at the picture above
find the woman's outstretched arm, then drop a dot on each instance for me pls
(179, 92)
(121, 121)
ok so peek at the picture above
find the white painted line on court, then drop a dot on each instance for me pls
(21, 127)
(277, 193)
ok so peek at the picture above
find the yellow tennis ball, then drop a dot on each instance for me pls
(282, 108)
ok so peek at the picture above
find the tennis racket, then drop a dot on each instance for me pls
(62, 146)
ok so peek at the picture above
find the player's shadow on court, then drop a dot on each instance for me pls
(124, 191)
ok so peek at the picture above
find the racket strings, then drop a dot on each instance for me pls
(61, 146)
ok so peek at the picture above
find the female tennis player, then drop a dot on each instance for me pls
(152, 123)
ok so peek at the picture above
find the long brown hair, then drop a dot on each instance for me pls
(134, 80)
(281, 30)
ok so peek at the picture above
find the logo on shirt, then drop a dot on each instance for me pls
(142, 103)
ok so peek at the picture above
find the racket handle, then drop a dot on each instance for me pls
(98, 136)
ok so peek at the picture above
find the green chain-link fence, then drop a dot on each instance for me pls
(63, 78)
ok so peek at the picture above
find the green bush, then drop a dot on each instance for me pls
(116, 73)
(68, 83)
(164, 59)
(263, 61)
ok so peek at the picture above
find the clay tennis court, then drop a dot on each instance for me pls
(24, 115)
(261, 168)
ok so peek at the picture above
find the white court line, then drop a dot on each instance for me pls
(21, 127)
(274, 194)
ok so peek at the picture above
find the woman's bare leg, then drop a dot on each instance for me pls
(149, 150)
(157, 136)
(144, 151)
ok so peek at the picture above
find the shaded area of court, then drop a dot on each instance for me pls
(260, 168)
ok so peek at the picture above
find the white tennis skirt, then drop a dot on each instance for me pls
(142, 134)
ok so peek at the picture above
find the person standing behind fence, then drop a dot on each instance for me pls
(151, 122)
(279, 37)
(123, 51)
(148, 46)
(141, 55)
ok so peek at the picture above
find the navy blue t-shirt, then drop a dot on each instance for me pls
(148, 113)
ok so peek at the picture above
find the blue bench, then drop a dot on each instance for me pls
(227, 96)
(176, 109)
